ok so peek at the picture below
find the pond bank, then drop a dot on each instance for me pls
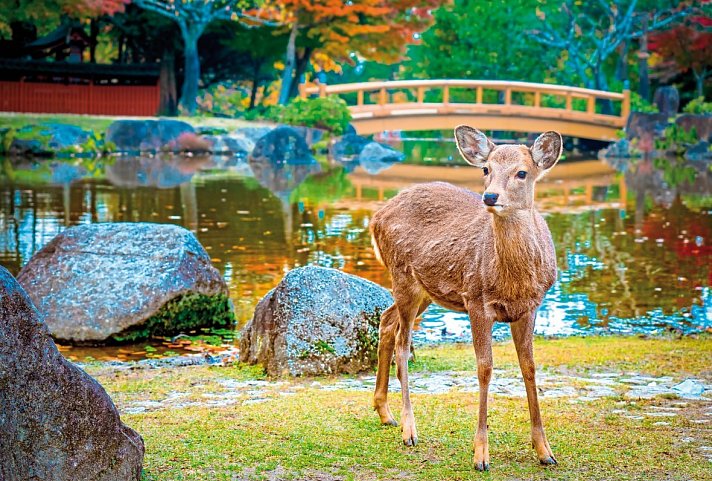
(614, 407)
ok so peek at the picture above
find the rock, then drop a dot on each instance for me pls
(316, 321)
(57, 422)
(253, 133)
(668, 100)
(26, 147)
(62, 136)
(348, 147)
(700, 152)
(311, 135)
(643, 125)
(233, 144)
(372, 156)
(283, 145)
(689, 388)
(125, 281)
(145, 135)
(376, 157)
(700, 122)
(617, 150)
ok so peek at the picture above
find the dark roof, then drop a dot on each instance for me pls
(23, 68)
(57, 37)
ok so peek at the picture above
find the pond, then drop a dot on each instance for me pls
(632, 238)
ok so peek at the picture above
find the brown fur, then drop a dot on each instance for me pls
(442, 244)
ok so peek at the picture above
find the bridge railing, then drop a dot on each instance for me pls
(413, 97)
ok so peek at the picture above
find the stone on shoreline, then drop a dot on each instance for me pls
(118, 282)
(316, 321)
(57, 422)
(130, 135)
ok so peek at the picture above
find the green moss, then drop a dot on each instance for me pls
(184, 313)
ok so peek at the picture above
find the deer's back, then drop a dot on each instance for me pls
(436, 233)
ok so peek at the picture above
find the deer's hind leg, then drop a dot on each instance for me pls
(390, 321)
(386, 344)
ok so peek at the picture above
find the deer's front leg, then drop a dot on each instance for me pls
(482, 339)
(522, 334)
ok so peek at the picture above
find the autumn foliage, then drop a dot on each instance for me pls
(685, 48)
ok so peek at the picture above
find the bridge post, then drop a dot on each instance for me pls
(479, 94)
(625, 106)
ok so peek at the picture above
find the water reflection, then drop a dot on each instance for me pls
(633, 245)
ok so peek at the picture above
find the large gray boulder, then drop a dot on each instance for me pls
(316, 321)
(146, 135)
(125, 281)
(56, 422)
(283, 145)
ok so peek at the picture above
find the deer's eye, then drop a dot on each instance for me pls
(485, 170)
(522, 174)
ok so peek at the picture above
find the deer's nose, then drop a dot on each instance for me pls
(490, 198)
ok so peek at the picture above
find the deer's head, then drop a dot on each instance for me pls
(510, 170)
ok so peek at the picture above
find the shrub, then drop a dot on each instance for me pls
(639, 104)
(329, 113)
(698, 106)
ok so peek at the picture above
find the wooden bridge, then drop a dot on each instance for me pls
(409, 105)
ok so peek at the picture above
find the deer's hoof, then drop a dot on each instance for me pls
(482, 466)
(548, 461)
(411, 441)
(390, 422)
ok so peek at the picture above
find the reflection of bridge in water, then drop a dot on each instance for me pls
(569, 186)
(410, 105)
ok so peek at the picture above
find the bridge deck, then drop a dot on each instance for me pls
(515, 106)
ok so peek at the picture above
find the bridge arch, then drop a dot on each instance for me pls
(519, 106)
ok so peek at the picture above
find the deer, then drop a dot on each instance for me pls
(490, 256)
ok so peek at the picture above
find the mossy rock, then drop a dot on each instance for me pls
(180, 315)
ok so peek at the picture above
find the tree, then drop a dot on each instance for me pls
(232, 52)
(481, 40)
(589, 33)
(49, 12)
(686, 48)
(192, 17)
(328, 32)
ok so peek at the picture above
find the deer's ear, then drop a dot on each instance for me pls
(546, 150)
(474, 146)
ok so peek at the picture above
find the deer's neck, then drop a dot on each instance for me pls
(518, 251)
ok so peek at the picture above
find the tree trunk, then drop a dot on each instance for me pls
(622, 65)
(699, 82)
(289, 65)
(93, 38)
(167, 82)
(256, 68)
(302, 64)
(644, 79)
(191, 70)
(120, 58)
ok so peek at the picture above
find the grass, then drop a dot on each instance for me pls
(316, 434)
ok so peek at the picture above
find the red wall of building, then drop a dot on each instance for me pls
(139, 100)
